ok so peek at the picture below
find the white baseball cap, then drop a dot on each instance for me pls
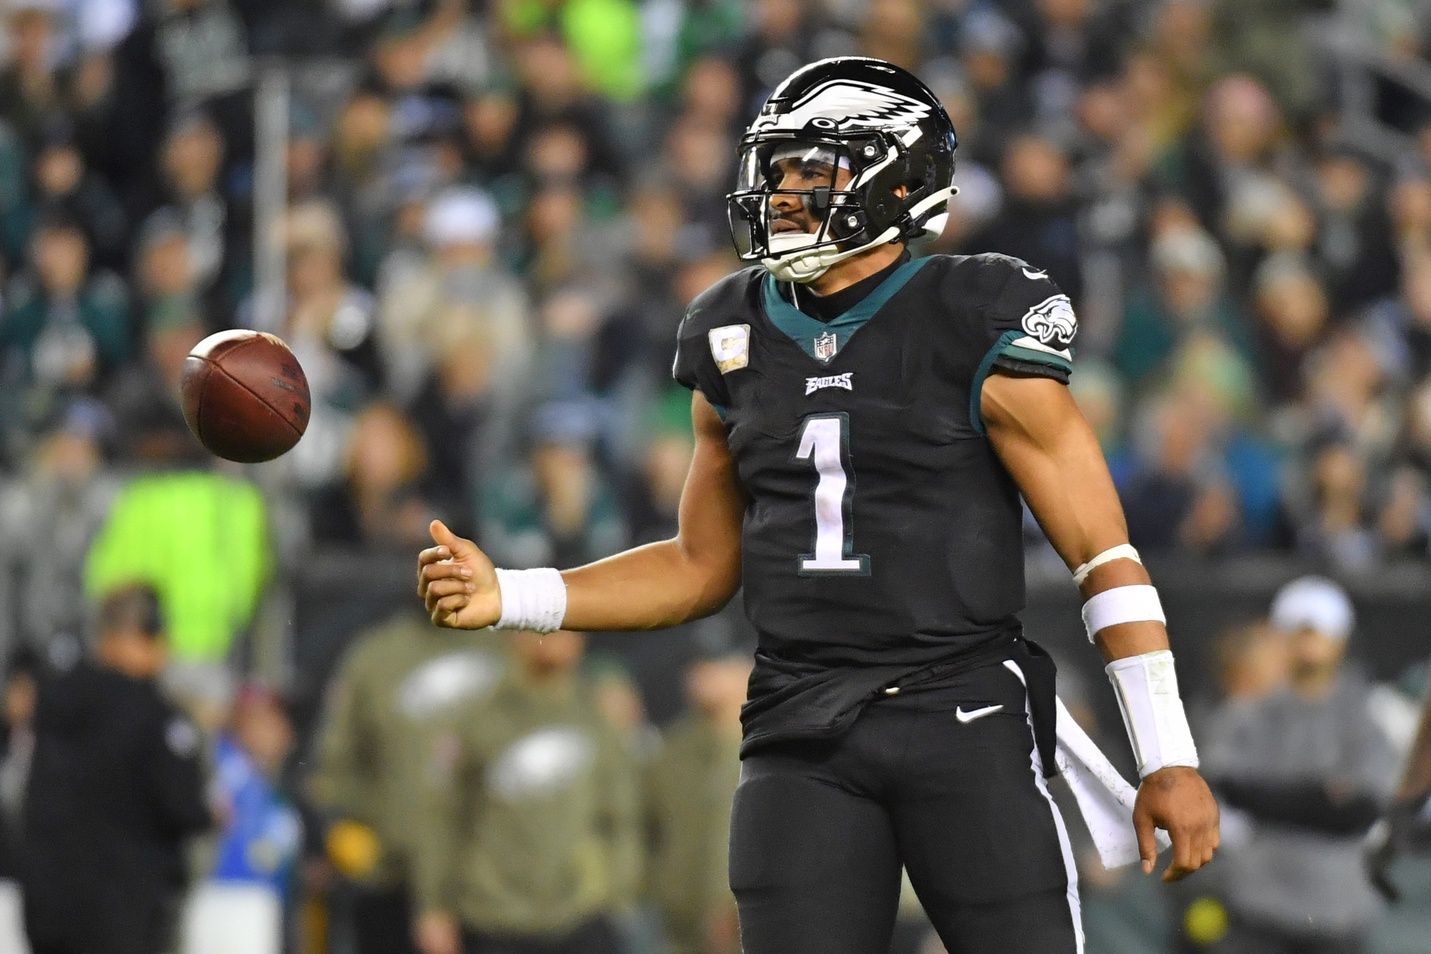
(460, 215)
(1313, 602)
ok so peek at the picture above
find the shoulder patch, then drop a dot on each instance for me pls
(730, 347)
(1052, 322)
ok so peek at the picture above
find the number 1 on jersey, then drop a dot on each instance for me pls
(825, 442)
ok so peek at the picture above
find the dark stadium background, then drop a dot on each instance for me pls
(478, 222)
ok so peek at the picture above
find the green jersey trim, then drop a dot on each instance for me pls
(803, 330)
(976, 388)
(1006, 347)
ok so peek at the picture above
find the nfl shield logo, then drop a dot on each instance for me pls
(826, 345)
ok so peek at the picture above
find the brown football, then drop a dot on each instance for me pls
(245, 396)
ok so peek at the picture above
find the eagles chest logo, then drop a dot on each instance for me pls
(826, 345)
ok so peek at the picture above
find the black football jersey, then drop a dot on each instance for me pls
(882, 529)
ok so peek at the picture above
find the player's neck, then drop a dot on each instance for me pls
(844, 274)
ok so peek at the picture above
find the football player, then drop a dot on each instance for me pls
(865, 425)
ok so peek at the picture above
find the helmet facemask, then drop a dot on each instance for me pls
(842, 214)
(863, 212)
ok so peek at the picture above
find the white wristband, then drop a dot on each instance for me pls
(1123, 551)
(1147, 689)
(1122, 604)
(532, 600)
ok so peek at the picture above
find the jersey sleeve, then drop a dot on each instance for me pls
(698, 350)
(1028, 323)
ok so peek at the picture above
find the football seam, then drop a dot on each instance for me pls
(258, 397)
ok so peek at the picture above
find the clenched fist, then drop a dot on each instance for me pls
(457, 583)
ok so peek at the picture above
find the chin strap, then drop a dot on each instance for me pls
(804, 267)
(788, 264)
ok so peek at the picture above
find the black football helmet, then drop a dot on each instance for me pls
(870, 117)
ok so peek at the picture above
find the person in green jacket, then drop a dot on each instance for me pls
(531, 842)
(385, 735)
(690, 785)
(199, 537)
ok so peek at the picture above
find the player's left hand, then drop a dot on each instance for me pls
(1177, 800)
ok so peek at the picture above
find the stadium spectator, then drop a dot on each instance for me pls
(654, 496)
(384, 733)
(604, 38)
(67, 326)
(31, 88)
(1176, 492)
(1188, 296)
(239, 907)
(1355, 242)
(690, 784)
(1235, 151)
(418, 296)
(1310, 769)
(191, 163)
(331, 323)
(559, 507)
(51, 511)
(465, 419)
(172, 313)
(517, 201)
(552, 89)
(218, 522)
(489, 135)
(116, 789)
(1293, 314)
(168, 289)
(62, 180)
(1271, 42)
(379, 499)
(1038, 221)
(533, 838)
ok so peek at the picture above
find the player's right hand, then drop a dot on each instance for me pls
(457, 583)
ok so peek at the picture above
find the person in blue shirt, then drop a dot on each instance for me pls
(262, 838)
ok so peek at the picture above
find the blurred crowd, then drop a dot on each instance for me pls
(490, 215)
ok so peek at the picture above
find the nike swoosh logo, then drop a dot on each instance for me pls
(967, 717)
(1031, 274)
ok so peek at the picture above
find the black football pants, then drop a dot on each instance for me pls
(936, 780)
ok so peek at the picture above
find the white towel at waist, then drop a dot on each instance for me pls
(1104, 799)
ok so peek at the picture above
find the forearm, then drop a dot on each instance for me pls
(648, 587)
(1303, 805)
(1054, 458)
(1124, 639)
